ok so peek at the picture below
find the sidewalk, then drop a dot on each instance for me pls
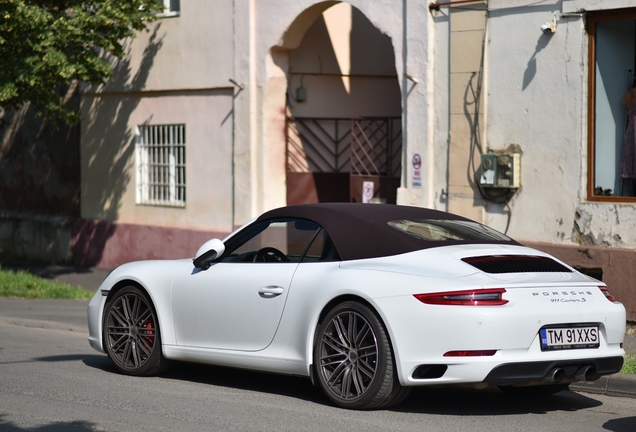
(613, 385)
(91, 278)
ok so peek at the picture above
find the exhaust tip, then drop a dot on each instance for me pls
(555, 376)
(586, 373)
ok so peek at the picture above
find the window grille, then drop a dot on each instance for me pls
(161, 165)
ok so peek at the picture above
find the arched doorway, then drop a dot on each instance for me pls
(343, 127)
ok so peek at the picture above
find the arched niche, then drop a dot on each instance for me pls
(330, 66)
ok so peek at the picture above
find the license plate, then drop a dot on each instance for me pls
(563, 338)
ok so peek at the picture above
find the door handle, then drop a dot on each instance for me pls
(270, 291)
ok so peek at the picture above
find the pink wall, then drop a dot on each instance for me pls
(106, 244)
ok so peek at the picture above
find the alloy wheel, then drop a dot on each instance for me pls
(348, 355)
(130, 331)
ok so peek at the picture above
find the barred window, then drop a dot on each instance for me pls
(161, 165)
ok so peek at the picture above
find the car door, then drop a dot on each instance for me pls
(238, 302)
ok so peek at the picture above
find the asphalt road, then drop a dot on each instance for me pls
(51, 380)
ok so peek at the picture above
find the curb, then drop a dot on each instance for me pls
(621, 385)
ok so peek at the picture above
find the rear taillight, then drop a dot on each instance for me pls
(478, 297)
(471, 353)
(607, 294)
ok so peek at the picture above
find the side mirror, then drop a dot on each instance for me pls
(207, 253)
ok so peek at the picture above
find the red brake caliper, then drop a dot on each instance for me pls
(150, 332)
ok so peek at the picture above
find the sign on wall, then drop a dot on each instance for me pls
(367, 192)
(416, 170)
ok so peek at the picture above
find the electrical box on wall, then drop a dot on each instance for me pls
(500, 170)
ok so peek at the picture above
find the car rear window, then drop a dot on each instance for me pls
(448, 230)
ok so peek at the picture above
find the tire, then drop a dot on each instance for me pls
(354, 360)
(534, 391)
(131, 334)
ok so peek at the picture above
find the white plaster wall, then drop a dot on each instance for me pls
(537, 99)
(439, 120)
(326, 97)
(592, 5)
(176, 72)
(193, 50)
(108, 158)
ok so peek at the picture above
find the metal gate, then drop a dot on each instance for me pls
(330, 159)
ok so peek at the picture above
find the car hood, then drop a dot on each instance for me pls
(446, 262)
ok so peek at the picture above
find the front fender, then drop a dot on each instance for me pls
(155, 278)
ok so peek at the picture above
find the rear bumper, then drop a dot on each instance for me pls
(534, 372)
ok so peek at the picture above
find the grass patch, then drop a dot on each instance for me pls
(21, 284)
(629, 367)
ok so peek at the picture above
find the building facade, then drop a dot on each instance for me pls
(229, 108)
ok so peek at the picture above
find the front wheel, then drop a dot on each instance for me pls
(131, 334)
(354, 360)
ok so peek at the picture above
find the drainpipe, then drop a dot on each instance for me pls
(405, 157)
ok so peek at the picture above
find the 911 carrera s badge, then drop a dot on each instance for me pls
(563, 296)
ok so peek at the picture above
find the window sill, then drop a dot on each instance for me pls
(162, 204)
(168, 14)
(611, 199)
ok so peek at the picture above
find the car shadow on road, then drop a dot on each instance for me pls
(88, 359)
(490, 401)
(100, 362)
(284, 385)
(493, 402)
(75, 426)
(442, 401)
(626, 424)
(296, 387)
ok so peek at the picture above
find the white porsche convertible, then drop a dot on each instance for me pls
(368, 301)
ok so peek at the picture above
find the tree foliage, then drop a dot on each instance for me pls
(45, 45)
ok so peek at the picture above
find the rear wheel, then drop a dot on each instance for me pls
(354, 360)
(534, 391)
(131, 334)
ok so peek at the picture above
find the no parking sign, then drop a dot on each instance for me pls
(367, 191)
(416, 170)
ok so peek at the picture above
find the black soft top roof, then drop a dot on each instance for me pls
(361, 231)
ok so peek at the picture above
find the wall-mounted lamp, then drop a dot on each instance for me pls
(548, 28)
(301, 92)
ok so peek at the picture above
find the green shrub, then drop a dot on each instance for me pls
(629, 367)
(21, 284)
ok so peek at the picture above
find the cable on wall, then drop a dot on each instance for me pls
(495, 196)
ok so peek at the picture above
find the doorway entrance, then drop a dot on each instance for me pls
(343, 125)
(343, 160)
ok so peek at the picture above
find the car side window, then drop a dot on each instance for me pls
(273, 241)
(322, 249)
